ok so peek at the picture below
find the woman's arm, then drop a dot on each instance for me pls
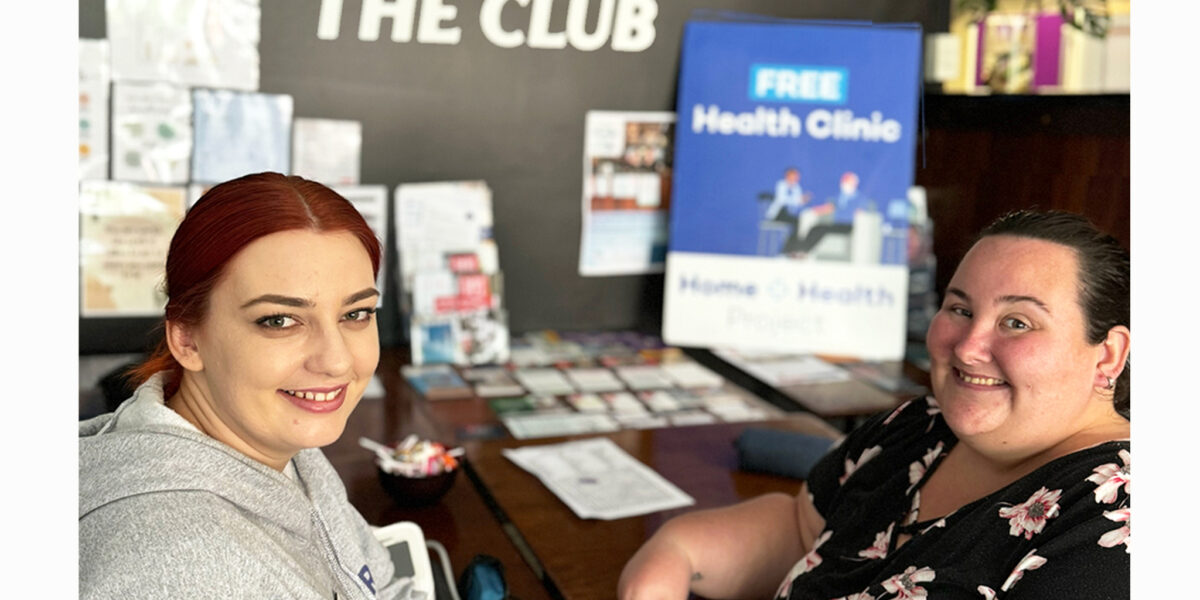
(739, 551)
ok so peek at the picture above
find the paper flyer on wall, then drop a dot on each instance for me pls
(238, 133)
(124, 232)
(371, 201)
(200, 43)
(626, 188)
(794, 153)
(151, 132)
(94, 78)
(327, 150)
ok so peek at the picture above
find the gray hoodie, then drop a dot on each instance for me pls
(168, 512)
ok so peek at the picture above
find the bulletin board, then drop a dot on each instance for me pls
(492, 90)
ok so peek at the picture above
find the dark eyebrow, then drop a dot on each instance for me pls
(303, 303)
(1002, 299)
(278, 299)
(1017, 298)
(361, 295)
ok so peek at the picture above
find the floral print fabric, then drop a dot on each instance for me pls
(1060, 532)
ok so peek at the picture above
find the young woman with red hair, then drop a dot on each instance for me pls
(208, 482)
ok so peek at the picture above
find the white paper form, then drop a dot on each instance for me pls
(152, 132)
(327, 150)
(201, 43)
(94, 77)
(599, 480)
(238, 133)
(626, 172)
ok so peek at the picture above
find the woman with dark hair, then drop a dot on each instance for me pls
(1012, 480)
(208, 482)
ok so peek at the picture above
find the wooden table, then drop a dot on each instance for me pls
(577, 558)
(460, 521)
(499, 509)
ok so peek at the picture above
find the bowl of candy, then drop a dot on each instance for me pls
(415, 472)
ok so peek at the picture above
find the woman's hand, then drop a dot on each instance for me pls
(738, 551)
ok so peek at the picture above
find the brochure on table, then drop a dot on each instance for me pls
(794, 155)
(450, 276)
(626, 184)
(438, 221)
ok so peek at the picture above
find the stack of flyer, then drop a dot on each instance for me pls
(450, 275)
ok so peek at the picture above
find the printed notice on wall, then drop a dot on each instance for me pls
(327, 150)
(152, 132)
(124, 232)
(794, 154)
(238, 133)
(626, 187)
(93, 109)
(200, 43)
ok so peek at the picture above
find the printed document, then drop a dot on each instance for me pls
(599, 480)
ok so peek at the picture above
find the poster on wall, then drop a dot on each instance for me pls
(93, 109)
(371, 201)
(200, 43)
(124, 232)
(626, 187)
(327, 150)
(238, 133)
(794, 155)
(151, 132)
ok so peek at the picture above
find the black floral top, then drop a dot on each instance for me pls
(1060, 532)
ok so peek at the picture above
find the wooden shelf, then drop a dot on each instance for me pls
(1080, 114)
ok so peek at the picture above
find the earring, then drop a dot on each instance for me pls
(1110, 383)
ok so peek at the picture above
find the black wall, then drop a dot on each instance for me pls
(513, 117)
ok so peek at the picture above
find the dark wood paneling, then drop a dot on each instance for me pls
(984, 156)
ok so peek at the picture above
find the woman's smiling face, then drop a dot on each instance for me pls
(1011, 367)
(287, 346)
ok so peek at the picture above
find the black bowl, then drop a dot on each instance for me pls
(416, 491)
